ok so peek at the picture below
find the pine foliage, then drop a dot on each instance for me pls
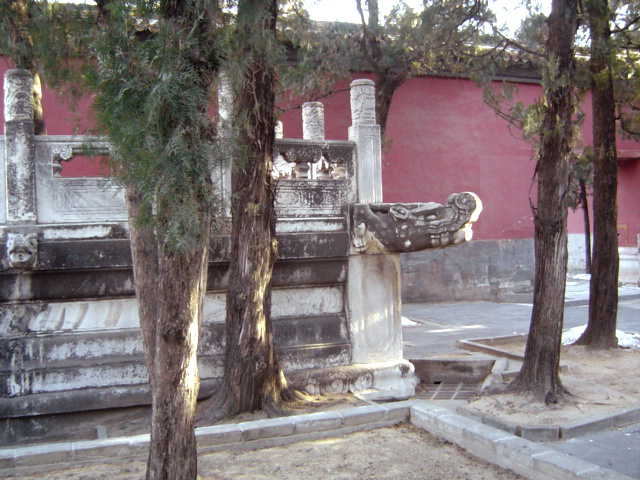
(152, 99)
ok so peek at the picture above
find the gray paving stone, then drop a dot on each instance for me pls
(218, 435)
(270, 427)
(362, 415)
(599, 473)
(319, 421)
(559, 465)
(581, 427)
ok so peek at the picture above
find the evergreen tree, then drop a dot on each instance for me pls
(154, 66)
(539, 374)
(603, 292)
(252, 376)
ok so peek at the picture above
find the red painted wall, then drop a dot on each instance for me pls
(441, 139)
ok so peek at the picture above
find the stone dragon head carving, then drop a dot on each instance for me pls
(409, 227)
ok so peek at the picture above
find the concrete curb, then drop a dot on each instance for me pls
(564, 431)
(247, 435)
(529, 459)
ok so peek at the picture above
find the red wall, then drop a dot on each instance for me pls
(441, 139)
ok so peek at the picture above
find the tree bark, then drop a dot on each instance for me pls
(587, 226)
(603, 292)
(144, 255)
(172, 453)
(539, 373)
(387, 82)
(252, 375)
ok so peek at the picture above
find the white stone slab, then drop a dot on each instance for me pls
(374, 308)
(118, 314)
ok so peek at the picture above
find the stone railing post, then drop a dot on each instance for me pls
(221, 175)
(279, 130)
(313, 121)
(20, 167)
(366, 134)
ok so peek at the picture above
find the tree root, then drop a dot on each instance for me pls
(557, 394)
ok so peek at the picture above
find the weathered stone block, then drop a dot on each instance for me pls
(218, 435)
(271, 427)
(516, 453)
(539, 433)
(362, 415)
(45, 454)
(106, 448)
(315, 422)
(6, 458)
(557, 465)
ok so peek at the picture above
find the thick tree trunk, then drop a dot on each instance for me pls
(539, 373)
(603, 293)
(587, 226)
(252, 376)
(182, 283)
(144, 253)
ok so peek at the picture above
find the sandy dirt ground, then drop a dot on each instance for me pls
(598, 382)
(401, 452)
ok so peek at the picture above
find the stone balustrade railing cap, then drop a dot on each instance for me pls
(363, 81)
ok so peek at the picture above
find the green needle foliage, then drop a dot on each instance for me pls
(153, 100)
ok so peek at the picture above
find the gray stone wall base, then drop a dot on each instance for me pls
(487, 270)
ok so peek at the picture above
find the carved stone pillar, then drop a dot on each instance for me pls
(20, 168)
(221, 174)
(366, 134)
(313, 121)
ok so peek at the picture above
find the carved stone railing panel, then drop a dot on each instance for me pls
(74, 200)
(314, 178)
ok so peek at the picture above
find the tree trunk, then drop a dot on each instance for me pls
(387, 82)
(252, 376)
(539, 372)
(587, 226)
(603, 292)
(144, 255)
(22, 56)
(182, 283)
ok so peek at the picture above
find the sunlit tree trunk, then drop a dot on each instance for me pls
(252, 375)
(540, 370)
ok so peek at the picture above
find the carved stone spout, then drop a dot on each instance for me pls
(409, 227)
(22, 250)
